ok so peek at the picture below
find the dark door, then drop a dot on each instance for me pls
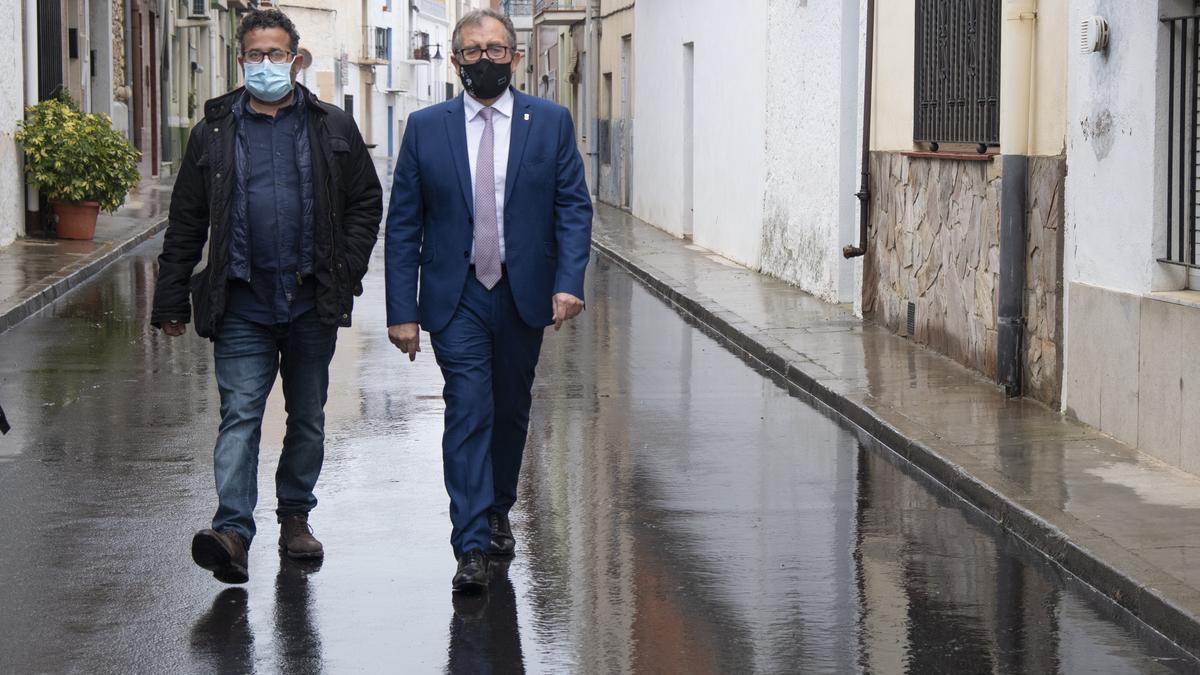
(50, 47)
(152, 81)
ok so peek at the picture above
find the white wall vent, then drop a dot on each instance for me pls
(1093, 35)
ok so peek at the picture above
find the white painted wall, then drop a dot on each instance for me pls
(100, 28)
(12, 99)
(730, 120)
(1116, 121)
(1114, 206)
(777, 127)
(392, 15)
(430, 79)
(813, 135)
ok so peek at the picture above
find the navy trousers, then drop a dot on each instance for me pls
(488, 356)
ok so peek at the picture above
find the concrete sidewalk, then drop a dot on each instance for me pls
(34, 272)
(1121, 521)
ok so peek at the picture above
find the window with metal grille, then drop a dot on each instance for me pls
(383, 38)
(1182, 99)
(957, 83)
(420, 46)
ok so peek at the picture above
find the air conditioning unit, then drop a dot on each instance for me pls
(198, 9)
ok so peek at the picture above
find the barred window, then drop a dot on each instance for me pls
(1182, 102)
(957, 79)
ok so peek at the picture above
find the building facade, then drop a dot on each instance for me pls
(1132, 300)
(12, 105)
(612, 107)
(750, 145)
(934, 259)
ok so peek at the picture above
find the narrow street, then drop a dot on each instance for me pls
(680, 512)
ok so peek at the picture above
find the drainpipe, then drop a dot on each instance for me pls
(864, 189)
(592, 86)
(31, 96)
(1016, 49)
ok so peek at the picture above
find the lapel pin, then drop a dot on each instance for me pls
(526, 117)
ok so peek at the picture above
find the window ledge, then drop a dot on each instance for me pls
(1185, 298)
(957, 156)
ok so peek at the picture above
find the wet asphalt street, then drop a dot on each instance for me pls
(680, 512)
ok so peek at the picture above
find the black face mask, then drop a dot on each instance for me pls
(485, 79)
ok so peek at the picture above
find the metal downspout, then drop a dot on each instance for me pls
(1016, 48)
(592, 87)
(864, 189)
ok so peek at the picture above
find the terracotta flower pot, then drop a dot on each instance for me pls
(76, 220)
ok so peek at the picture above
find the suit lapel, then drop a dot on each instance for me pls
(521, 121)
(456, 130)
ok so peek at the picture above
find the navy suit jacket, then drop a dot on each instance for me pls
(430, 223)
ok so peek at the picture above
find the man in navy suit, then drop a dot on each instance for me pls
(490, 209)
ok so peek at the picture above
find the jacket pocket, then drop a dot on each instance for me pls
(201, 292)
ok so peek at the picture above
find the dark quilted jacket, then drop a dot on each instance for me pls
(347, 204)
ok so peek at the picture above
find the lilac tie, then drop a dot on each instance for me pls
(487, 235)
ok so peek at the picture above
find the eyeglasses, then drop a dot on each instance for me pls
(275, 56)
(499, 53)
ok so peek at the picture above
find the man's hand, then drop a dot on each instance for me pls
(174, 328)
(407, 338)
(566, 307)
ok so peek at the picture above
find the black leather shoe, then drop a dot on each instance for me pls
(503, 544)
(473, 572)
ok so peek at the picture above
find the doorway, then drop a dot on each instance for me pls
(689, 134)
(626, 126)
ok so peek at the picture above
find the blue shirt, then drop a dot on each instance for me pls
(275, 216)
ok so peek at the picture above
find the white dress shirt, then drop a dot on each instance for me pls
(502, 130)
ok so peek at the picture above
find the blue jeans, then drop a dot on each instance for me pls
(488, 356)
(248, 355)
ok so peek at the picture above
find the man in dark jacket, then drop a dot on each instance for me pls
(283, 190)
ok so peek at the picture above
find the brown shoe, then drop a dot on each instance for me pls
(222, 553)
(296, 539)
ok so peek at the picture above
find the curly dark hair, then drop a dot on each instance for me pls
(268, 18)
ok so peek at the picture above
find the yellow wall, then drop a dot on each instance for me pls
(895, 44)
(892, 96)
(616, 27)
(1048, 128)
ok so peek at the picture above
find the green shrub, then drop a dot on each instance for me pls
(77, 157)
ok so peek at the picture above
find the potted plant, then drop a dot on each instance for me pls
(79, 161)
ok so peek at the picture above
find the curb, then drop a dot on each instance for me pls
(65, 281)
(1143, 602)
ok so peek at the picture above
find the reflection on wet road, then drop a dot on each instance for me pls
(680, 512)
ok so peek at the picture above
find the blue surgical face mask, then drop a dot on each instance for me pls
(269, 82)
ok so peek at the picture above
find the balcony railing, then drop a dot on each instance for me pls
(518, 7)
(421, 49)
(375, 44)
(540, 6)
